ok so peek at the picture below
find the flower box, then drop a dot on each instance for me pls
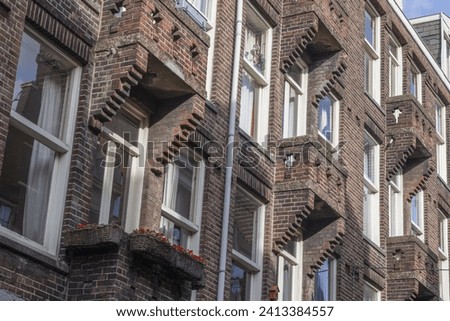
(94, 236)
(155, 248)
(151, 248)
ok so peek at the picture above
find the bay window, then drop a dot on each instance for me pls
(38, 146)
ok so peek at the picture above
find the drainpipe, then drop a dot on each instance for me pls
(229, 151)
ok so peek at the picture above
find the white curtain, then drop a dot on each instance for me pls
(42, 160)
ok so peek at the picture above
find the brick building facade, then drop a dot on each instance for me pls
(116, 181)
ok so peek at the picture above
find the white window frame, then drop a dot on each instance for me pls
(444, 274)
(332, 279)
(335, 121)
(295, 125)
(441, 148)
(254, 267)
(395, 67)
(193, 224)
(372, 52)
(297, 279)
(374, 291)
(396, 204)
(63, 152)
(418, 228)
(372, 209)
(262, 96)
(414, 73)
(135, 181)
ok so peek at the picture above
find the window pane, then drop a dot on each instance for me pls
(174, 233)
(368, 73)
(322, 283)
(288, 278)
(119, 188)
(413, 83)
(125, 127)
(296, 73)
(370, 294)
(442, 229)
(292, 111)
(25, 185)
(415, 210)
(440, 121)
(369, 158)
(201, 5)
(182, 204)
(97, 187)
(240, 285)
(245, 223)
(255, 43)
(367, 217)
(369, 29)
(249, 101)
(326, 118)
(41, 85)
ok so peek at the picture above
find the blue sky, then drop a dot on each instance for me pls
(417, 8)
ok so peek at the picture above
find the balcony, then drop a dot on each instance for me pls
(309, 195)
(412, 269)
(410, 132)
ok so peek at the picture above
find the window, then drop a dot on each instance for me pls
(295, 98)
(370, 293)
(290, 271)
(201, 5)
(372, 54)
(444, 278)
(442, 142)
(325, 282)
(443, 233)
(371, 189)
(198, 10)
(395, 67)
(248, 245)
(447, 57)
(119, 162)
(255, 78)
(396, 205)
(415, 82)
(417, 219)
(38, 146)
(183, 201)
(329, 119)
